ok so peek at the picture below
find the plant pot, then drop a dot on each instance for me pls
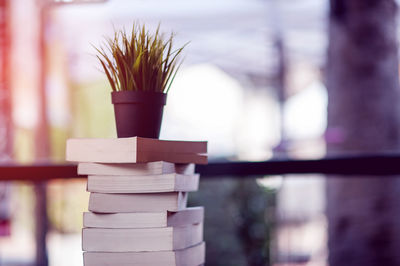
(138, 113)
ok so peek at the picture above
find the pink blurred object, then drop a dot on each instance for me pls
(5, 228)
(335, 135)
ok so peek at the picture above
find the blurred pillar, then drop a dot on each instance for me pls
(279, 78)
(280, 85)
(6, 139)
(42, 142)
(363, 117)
(41, 224)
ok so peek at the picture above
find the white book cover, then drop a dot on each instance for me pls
(141, 239)
(192, 256)
(152, 168)
(188, 216)
(135, 150)
(143, 184)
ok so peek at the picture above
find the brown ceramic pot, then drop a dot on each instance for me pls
(138, 113)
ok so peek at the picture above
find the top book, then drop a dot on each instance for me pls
(135, 150)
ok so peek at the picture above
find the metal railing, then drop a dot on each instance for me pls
(366, 165)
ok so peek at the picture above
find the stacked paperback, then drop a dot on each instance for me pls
(137, 206)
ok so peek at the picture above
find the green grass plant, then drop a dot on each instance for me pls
(140, 61)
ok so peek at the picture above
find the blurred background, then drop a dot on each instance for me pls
(255, 83)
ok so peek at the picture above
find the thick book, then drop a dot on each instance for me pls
(192, 256)
(141, 239)
(188, 216)
(144, 202)
(152, 168)
(143, 183)
(135, 150)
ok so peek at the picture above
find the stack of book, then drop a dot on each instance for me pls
(137, 207)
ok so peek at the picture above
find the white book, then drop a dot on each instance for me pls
(152, 168)
(135, 150)
(141, 239)
(192, 256)
(188, 216)
(143, 202)
(142, 184)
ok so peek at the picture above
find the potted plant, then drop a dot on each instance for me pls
(140, 69)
